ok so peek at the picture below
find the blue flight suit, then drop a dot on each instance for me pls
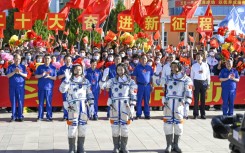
(228, 90)
(61, 72)
(143, 76)
(17, 91)
(112, 74)
(94, 77)
(45, 90)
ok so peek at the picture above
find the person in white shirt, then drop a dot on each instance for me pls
(200, 75)
(212, 62)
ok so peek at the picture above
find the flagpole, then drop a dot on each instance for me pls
(108, 18)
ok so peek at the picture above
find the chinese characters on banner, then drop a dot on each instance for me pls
(178, 24)
(2, 20)
(179, 3)
(89, 20)
(22, 21)
(125, 23)
(205, 23)
(56, 21)
(152, 23)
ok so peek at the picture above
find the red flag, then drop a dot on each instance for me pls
(157, 35)
(189, 10)
(66, 32)
(155, 8)
(85, 40)
(101, 7)
(138, 11)
(22, 4)
(79, 4)
(99, 30)
(6, 4)
(65, 11)
(208, 11)
(110, 36)
(191, 39)
(38, 8)
(1, 33)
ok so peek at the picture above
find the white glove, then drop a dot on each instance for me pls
(105, 74)
(67, 74)
(132, 111)
(91, 110)
(186, 110)
(158, 68)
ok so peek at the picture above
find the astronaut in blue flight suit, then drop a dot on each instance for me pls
(111, 73)
(143, 74)
(229, 78)
(17, 74)
(46, 74)
(94, 76)
(61, 75)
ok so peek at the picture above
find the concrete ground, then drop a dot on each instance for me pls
(144, 135)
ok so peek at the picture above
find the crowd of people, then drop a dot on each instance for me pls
(129, 74)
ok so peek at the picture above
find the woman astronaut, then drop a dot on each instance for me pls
(79, 100)
(178, 97)
(122, 102)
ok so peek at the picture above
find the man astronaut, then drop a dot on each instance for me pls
(79, 98)
(122, 102)
(178, 97)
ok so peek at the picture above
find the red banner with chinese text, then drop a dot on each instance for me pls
(125, 22)
(31, 93)
(22, 21)
(178, 24)
(152, 23)
(2, 20)
(56, 21)
(89, 20)
(205, 23)
(179, 3)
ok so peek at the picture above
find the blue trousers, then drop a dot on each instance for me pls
(64, 110)
(144, 92)
(96, 94)
(17, 95)
(228, 97)
(45, 95)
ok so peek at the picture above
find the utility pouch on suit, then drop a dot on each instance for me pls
(83, 116)
(124, 116)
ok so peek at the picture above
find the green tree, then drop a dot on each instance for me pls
(111, 23)
(9, 31)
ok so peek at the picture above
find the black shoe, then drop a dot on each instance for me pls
(12, 120)
(137, 117)
(64, 119)
(49, 119)
(194, 117)
(203, 117)
(95, 118)
(148, 117)
(39, 119)
(21, 120)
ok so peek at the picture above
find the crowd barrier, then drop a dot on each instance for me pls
(31, 93)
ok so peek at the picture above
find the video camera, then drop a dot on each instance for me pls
(231, 128)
